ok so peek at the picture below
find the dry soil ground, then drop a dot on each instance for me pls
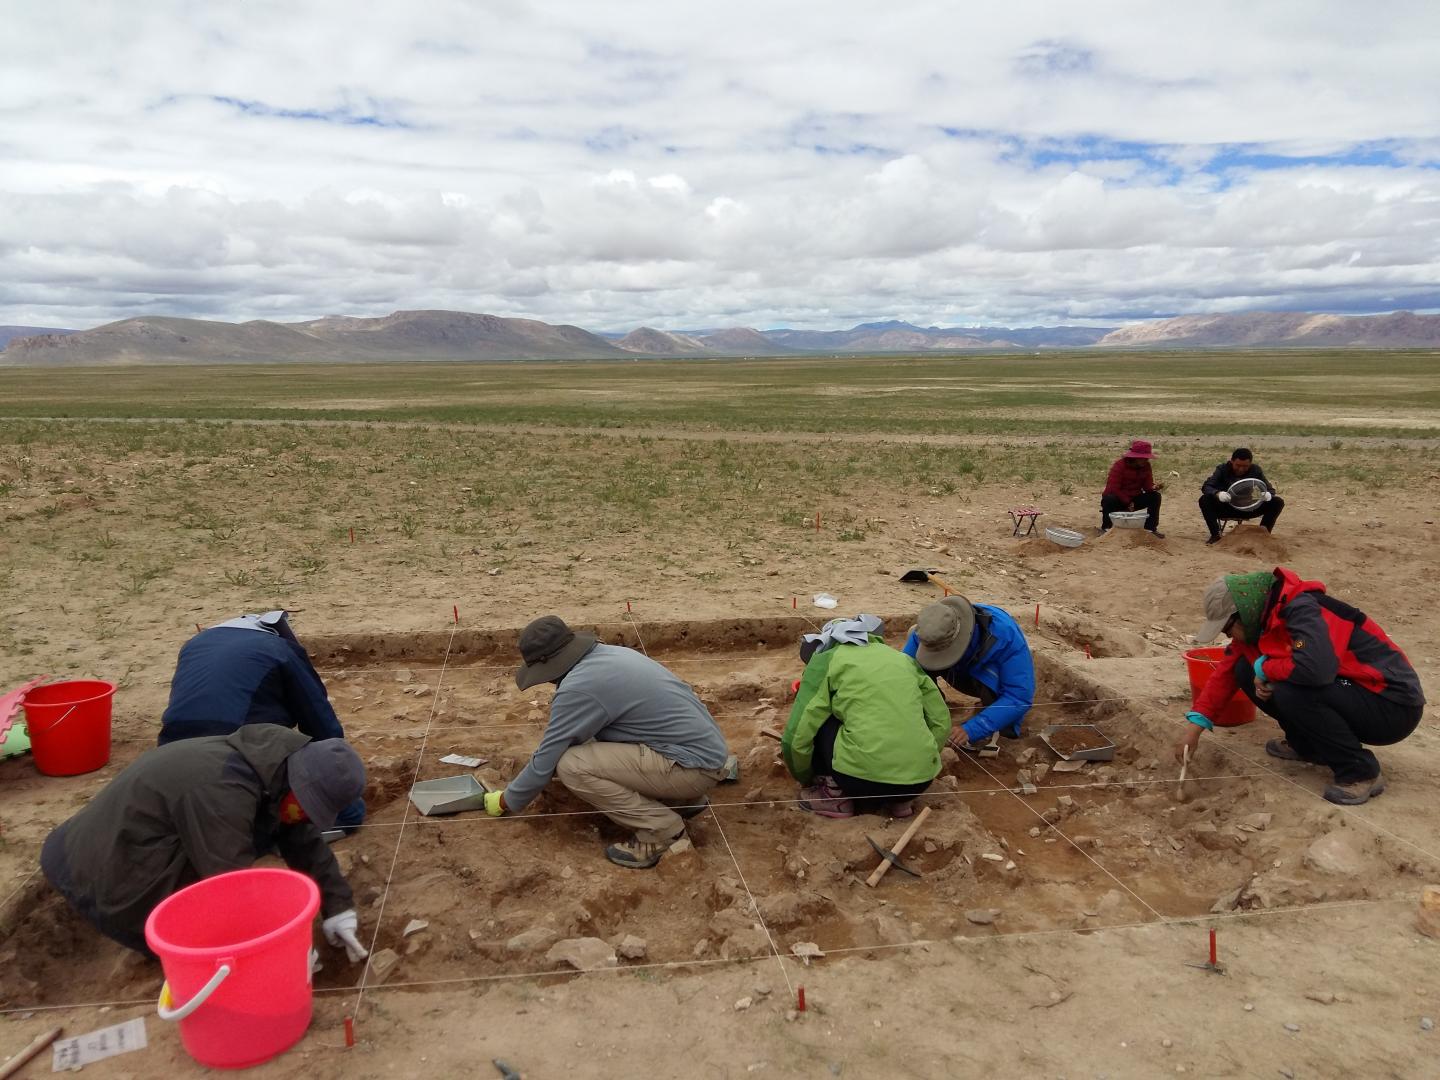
(1064, 957)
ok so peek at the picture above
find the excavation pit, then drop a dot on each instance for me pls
(1104, 846)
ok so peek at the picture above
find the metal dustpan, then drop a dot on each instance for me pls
(448, 795)
(1102, 750)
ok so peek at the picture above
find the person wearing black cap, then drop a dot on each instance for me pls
(201, 807)
(1131, 485)
(625, 735)
(1216, 503)
(981, 651)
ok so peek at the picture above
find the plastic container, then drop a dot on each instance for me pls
(1064, 537)
(236, 954)
(1200, 664)
(1129, 519)
(69, 724)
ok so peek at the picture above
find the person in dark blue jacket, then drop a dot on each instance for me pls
(250, 670)
(981, 651)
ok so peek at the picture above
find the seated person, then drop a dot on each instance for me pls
(250, 670)
(625, 734)
(981, 651)
(201, 807)
(1215, 502)
(1131, 486)
(1327, 673)
(867, 723)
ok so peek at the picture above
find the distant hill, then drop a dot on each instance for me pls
(1270, 329)
(743, 341)
(10, 333)
(404, 335)
(893, 336)
(648, 342)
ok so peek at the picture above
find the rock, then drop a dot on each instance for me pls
(1034, 830)
(1068, 766)
(1022, 777)
(532, 940)
(1427, 1023)
(1324, 997)
(931, 847)
(582, 953)
(745, 944)
(1341, 852)
(806, 951)
(383, 965)
(890, 931)
(981, 916)
(1041, 770)
(1292, 1028)
(948, 759)
(631, 947)
(679, 847)
(742, 1004)
(990, 856)
(404, 675)
(730, 921)
(701, 949)
(946, 782)
(1028, 789)
(1026, 756)
(761, 990)
(1257, 822)
(414, 926)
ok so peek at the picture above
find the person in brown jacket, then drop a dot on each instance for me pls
(200, 807)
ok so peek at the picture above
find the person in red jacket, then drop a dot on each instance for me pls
(1324, 670)
(1131, 486)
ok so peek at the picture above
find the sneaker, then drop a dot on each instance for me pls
(1356, 792)
(1213, 540)
(640, 854)
(825, 798)
(1101, 531)
(1280, 748)
(695, 809)
(1157, 534)
(903, 808)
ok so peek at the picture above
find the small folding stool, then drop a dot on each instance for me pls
(1026, 516)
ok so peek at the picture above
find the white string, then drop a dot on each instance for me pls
(753, 905)
(400, 834)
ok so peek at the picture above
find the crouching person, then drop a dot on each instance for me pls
(625, 735)
(251, 670)
(867, 723)
(201, 807)
(1326, 672)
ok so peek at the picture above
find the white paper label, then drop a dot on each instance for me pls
(461, 759)
(98, 1045)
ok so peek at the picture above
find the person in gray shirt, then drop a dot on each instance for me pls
(625, 735)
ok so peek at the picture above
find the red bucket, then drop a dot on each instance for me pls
(1200, 664)
(236, 954)
(69, 725)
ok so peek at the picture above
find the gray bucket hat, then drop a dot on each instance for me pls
(1220, 607)
(549, 649)
(944, 631)
(326, 776)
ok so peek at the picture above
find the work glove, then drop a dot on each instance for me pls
(1266, 496)
(493, 806)
(1223, 496)
(341, 930)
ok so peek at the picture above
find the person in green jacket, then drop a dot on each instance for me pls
(867, 723)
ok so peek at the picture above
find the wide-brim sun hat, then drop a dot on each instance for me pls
(1140, 448)
(1220, 608)
(944, 631)
(549, 649)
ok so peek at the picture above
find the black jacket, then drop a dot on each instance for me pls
(180, 813)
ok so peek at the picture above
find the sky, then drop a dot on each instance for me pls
(684, 166)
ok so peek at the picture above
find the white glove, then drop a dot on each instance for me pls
(341, 930)
(1265, 497)
(1223, 496)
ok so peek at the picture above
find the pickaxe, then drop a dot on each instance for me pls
(923, 577)
(892, 857)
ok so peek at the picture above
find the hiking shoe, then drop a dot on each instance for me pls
(1101, 531)
(1282, 749)
(1355, 792)
(1157, 534)
(640, 854)
(902, 808)
(1213, 540)
(688, 812)
(825, 798)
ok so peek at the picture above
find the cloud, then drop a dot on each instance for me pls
(681, 165)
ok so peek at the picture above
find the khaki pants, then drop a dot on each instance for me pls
(632, 785)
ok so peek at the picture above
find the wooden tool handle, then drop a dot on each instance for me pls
(20, 1060)
(880, 871)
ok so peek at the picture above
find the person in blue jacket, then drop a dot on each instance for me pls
(250, 670)
(980, 651)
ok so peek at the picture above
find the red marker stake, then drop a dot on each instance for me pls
(794, 604)
(352, 536)
(1212, 947)
(1037, 616)
(800, 999)
(197, 627)
(349, 1031)
(1087, 652)
(627, 605)
(457, 614)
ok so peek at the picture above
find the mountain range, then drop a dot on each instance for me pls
(459, 335)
